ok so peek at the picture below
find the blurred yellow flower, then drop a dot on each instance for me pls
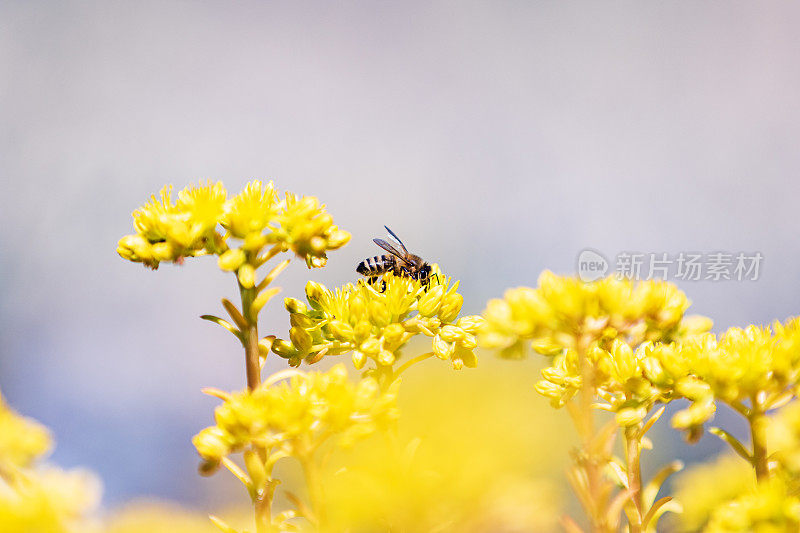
(158, 517)
(22, 440)
(768, 508)
(444, 474)
(35, 498)
(702, 488)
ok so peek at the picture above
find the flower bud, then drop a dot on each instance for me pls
(451, 306)
(379, 314)
(430, 302)
(359, 360)
(358, 306)
(692, 388)
(385, 357)
(284, 349)
(163, 251)
(547, 389)
(293, 305)
(371, 346)
(630, 416)
(362, 331)
(254, 241)
(247, 276)
(341, 330)
(546, 346)
(314, 293)
(301, 339)
(317, 244)
(470, 342)
(470, 324)
(212, 443)
(393, 334)
(451, 333)
(442, 348)
(337, 239)
(301, 321)
(231, 260)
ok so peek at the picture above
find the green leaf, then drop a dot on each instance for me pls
(653, 419)
(650, 491)
(225, 324)
(234, 313)
(737, 446)
(618, 470)
(664, 505)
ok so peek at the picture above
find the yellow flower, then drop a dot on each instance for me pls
(252, 210)
(204, 205)
(152, 221)
(376, 325)
(783, 436)
(170, 232)
(702, 488)
(768, 508)
(563, 312)
(308, 230)
(48, 500)
(22, 440)
(158, 517)
(33, 498)
(167, 231)
(440, 474)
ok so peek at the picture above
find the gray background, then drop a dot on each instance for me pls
(497, 138)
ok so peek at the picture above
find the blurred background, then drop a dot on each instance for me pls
(496, 138)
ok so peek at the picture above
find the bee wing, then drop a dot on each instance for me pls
(391, 249)
(395, 237)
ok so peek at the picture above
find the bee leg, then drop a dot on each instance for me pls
(373, 280)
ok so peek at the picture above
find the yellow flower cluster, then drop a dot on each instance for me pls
(703, 488)
(744, 363)
(563, 312)
(783, 436)
(440, 474)
(295, 416)
(768, 508)
(753, 370)
(620, 379)
(375, 325)
(21, 440)
(34, 498)
(170, 231)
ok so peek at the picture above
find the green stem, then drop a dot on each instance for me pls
(633, 458)
(757, 421)
(596, 490)
(263, 509)
(411, 362)
(250, 336)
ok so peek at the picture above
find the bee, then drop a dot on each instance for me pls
(400, 262)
